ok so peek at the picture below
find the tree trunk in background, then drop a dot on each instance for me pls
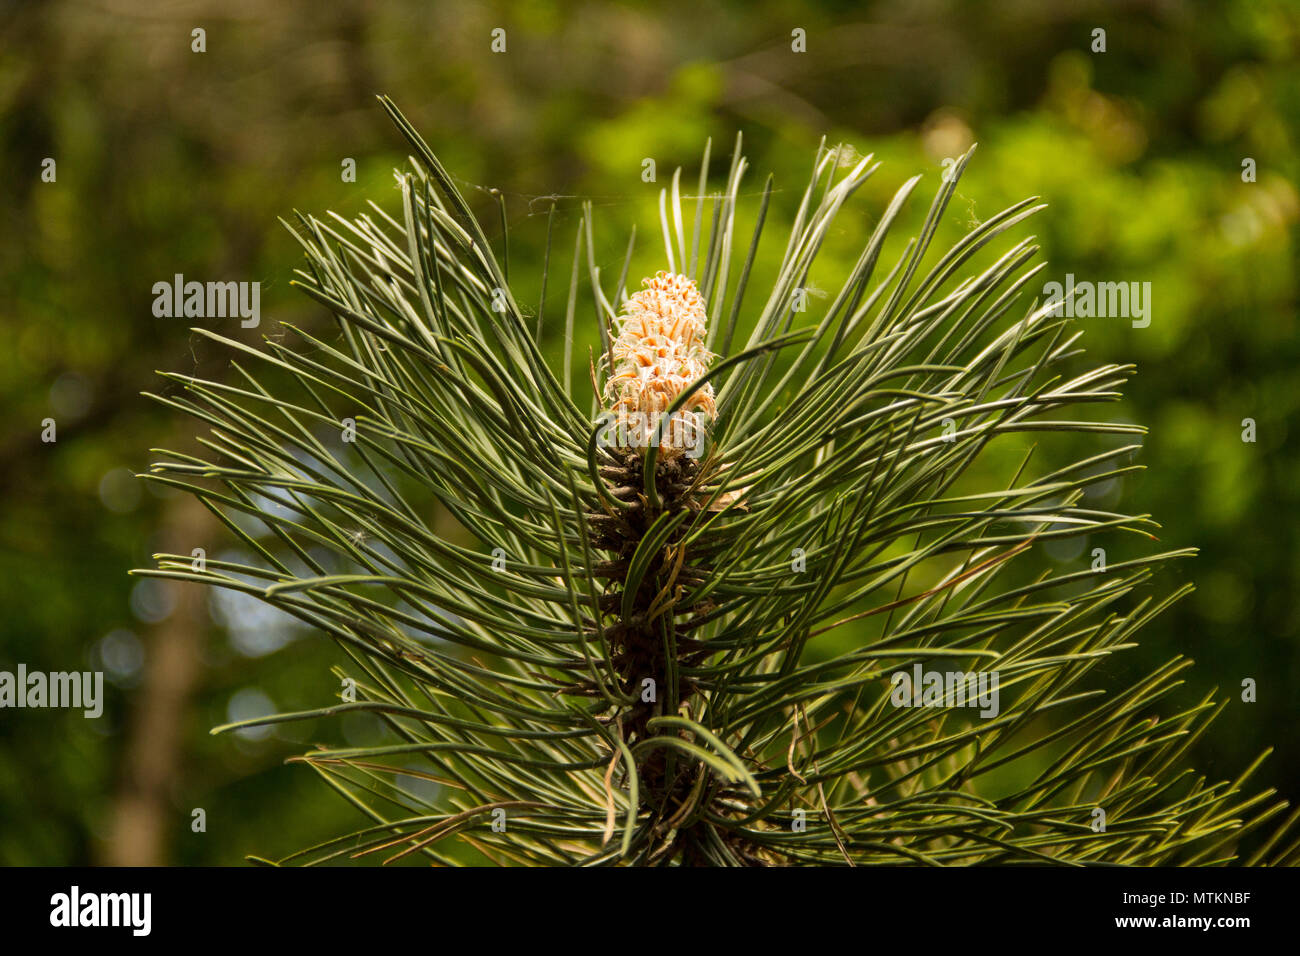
(144, 814)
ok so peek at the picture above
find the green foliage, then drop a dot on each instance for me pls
(454, 551)
(172, 162)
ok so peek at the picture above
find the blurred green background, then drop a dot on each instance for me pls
(171, 161)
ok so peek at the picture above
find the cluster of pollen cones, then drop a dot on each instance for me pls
(658, 354)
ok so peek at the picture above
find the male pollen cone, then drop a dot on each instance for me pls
(659, 352)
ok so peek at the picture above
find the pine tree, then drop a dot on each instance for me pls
(612, 634)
